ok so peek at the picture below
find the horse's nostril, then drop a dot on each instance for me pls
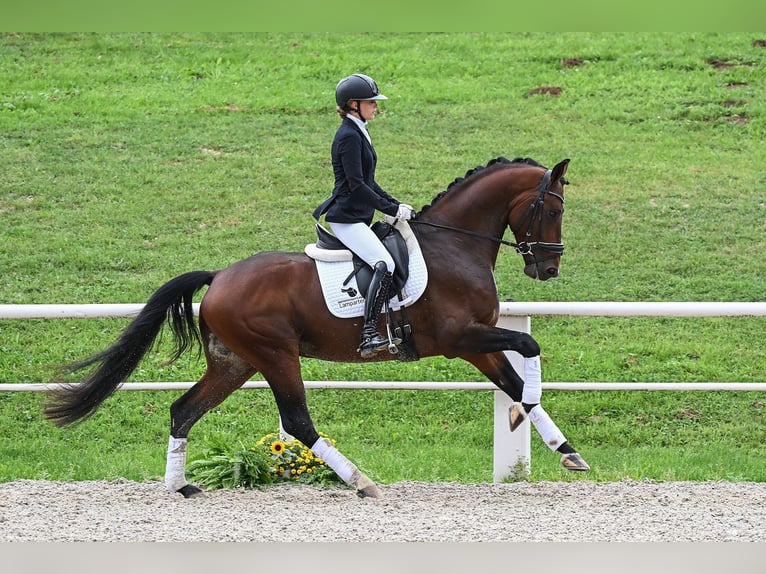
(553, 271)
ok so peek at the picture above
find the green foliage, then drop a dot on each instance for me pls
(221, 466)
(128, 159)
(268, 461)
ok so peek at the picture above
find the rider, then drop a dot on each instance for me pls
(350, 209)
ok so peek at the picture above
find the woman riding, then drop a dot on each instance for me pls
(356, 196)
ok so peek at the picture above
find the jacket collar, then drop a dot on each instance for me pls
(361, 126)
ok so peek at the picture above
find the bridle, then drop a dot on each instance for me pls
(534, 214)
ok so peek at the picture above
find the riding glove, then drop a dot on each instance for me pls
(405, 211)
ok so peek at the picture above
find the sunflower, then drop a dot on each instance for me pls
(277, 447)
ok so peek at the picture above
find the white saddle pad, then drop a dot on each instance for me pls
(335, 265)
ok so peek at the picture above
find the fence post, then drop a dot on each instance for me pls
(512, 450)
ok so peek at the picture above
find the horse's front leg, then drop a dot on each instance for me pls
(479, 338)
(527, 394)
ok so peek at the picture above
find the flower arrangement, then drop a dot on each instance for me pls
(270, 460)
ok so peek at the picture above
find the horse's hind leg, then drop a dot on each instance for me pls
(528, 393)
(226, 372)
(284, 377)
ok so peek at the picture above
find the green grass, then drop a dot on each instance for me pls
(127, 159)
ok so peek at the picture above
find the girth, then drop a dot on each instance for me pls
(393, 242)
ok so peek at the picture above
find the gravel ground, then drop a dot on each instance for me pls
(124, 511)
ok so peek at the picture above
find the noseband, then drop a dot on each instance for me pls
(533, 214)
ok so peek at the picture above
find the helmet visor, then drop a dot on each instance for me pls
(376, 97)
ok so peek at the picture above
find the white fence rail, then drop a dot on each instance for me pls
(511, 450)
(515, 309)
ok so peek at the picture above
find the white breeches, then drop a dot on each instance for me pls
(360, 239)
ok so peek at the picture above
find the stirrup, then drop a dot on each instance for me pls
(372, 346)
(393, 340)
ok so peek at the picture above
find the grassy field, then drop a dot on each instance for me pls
(127, 159)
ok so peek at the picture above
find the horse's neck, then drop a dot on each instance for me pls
(474, 230)
(483, 210)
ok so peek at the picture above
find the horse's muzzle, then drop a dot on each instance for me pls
(542, 270)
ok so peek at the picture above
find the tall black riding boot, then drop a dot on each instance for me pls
(372, 341)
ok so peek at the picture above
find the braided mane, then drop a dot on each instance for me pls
(472, 174)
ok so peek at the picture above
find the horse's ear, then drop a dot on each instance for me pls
(558, 172)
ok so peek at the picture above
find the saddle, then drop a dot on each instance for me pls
(345, 279)
(393, 242)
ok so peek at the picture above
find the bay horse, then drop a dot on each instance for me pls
(260, 314)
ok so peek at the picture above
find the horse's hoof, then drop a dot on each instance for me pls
(191, 491)
(365, 488)
(516, 416)
(369, 492)
(573, 461)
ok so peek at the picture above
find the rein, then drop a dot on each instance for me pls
(517, 246)
(525, 247)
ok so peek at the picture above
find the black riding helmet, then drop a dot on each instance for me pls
(357, 87)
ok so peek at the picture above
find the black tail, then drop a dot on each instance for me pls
(172, 302)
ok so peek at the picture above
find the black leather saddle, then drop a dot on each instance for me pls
(392, 240)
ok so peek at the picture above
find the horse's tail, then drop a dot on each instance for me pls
(172, 302)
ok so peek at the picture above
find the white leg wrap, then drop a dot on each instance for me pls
(533, 382)
(175, 465)
(548, 430)
(343, 467)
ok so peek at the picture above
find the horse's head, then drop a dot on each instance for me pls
(520, 194)
(536, 224)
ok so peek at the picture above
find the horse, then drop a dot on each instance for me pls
(262, 313)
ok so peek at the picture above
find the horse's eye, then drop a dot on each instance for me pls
(554, 214)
